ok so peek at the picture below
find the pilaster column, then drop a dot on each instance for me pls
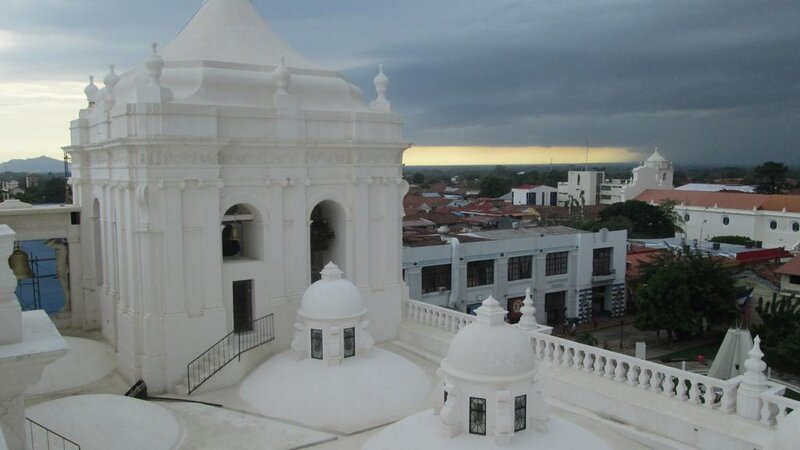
(414, 282)
(501, 278)
(540, 286)
(173, 278)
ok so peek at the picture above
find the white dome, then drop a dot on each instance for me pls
(489, 347)
(332, 297)
(788, 434)
(656, 158)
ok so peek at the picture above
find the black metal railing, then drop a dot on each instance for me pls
(230, 347)
(42, 437)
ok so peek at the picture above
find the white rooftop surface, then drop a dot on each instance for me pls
(109, 422)
(422, 432)
(40, 338)
(709, 187)
(358, 394)
(87, 361)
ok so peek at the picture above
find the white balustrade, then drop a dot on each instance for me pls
(684, 386)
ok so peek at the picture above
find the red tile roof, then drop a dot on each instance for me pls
(730, 200)
(790, 268)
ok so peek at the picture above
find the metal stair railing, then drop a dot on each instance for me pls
(230, 347)
(42, 437)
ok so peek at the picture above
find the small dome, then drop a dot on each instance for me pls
(788, 433)
(490, 347)
(331, 297)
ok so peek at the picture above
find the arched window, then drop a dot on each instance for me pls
(579, 179)
(327, 237)
(773, 224)
(242, 235)
(686, 217)
(98, 243)
(726, 220)
(795, 226)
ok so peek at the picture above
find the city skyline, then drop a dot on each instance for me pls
(705, 82)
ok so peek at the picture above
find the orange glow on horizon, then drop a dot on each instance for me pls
(478, 155)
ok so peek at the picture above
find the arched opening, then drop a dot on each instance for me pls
(242, 235)
(327, 237)
(98, 243)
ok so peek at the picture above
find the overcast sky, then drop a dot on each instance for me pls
(704, 80)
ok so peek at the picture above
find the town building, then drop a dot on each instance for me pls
(590, 187)
(573, 274)
(769, 220)
(790, 277)
(534, 195)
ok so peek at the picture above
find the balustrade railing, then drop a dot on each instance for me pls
(693, 388)
(774, 406)
(437, 317)
(43, 438)
(230, 347)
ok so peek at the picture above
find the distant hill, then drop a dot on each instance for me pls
(42, 164)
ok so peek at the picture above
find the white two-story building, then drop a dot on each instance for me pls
(573, 274)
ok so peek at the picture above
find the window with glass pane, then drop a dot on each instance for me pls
(520, 412)
(477, 415)
(602, 261)
(435, 278)
(519, 267)
(556, 263)
(349, 342)
(480, 273)
(316, 343)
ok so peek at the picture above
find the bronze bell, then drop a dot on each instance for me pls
(18, 261)
(235, 234)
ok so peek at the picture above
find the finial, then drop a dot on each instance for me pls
(331, 272)
(154, 66)
(754, 365)
(90, 90)
(528, 319)
(111, 79)
(282, 77)
(490, 312)
(381, 103)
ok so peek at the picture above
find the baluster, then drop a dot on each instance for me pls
(632, 375)
(681, 389)
(726, 402)
(619, 371)
(766, 412)
(608, 370)
(548, 351)
(558, 353)
(781, 414)
(576, 358)
(694, 392)
(709, 396)
(668, 385)
(655, 381)
(644, 377)
(587, 361)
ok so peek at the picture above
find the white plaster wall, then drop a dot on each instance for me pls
(749, 223)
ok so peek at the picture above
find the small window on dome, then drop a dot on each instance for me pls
(477, 415)
(520, 412)
(773, 224)
(316, 343)
(349, 342)
(726, 220)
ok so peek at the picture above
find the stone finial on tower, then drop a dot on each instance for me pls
(381, 103)
(282, 78)
(528, 319)
(111, 79)
(490, 312)
(154, 65)
(331, 272)
(754, 381)
(153, 92)
(91, 91)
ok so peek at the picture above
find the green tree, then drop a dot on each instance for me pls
(770, 177)
(646, 220)
(683, 292)
(418, 178)
(494, 186)
(780, 332)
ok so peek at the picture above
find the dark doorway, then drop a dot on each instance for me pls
(599, 300)
(242, 306)
(327, 237)
(555, 307)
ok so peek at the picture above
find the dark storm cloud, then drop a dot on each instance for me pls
(704, 80)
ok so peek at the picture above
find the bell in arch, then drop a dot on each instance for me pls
(18, 261)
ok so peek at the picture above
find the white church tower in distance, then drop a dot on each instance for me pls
(217, 178)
